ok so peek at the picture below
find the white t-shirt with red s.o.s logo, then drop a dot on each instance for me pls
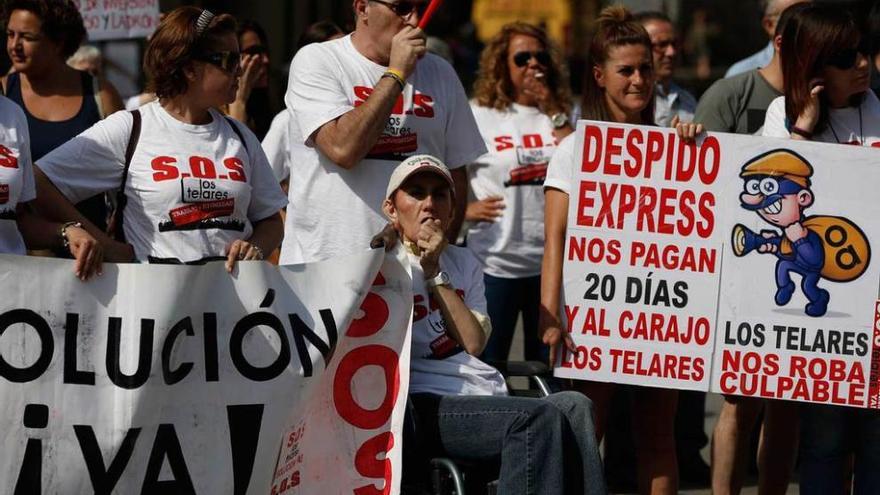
(192, 189)
(335, 211)
(439, 365)
(520, 142)
(16, 173)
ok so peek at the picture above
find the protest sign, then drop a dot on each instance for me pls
(358, 404)
(733, 263)
(119, 19)
(186, 379)
(797, 309)
(642, 257)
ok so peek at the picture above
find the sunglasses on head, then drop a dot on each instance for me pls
(404, 8)
(226, 61)
(522, 58)
(255, 50)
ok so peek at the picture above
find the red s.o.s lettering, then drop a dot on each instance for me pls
(368, 463)
(398, 106)
(504, 143)
(419, 309)
(361, 93)
(7, 158)
(202, 167)
(376, 313)
(236, 169)
(424, 106)
(533, 141)
(164, 168)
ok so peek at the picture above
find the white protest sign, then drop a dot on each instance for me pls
(186, 379)
(347, 437)
(119, 19)
(642, 257)
(799, 282)
(735, 263)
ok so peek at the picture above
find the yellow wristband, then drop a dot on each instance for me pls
(396, 78)
(397, 73)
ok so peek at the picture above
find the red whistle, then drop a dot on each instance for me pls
(429, 12)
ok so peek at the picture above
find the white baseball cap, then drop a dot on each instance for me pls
(414, 165)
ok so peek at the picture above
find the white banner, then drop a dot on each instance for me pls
(734, 263)
(185, 379)
(811, 339)
(642, 258)
(119, 19)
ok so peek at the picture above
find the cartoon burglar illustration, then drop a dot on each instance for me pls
(777, 188)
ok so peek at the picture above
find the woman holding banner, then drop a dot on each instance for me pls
(545, 446)
(827, 98)
(619, 88)
(195, 185)
(522, 107)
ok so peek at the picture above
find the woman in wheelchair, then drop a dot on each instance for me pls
(544, 446)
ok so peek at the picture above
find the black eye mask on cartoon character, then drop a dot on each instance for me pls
(772, 188)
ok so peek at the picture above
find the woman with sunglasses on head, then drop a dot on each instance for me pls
(618, 88)
(827, 98)
(196, 185)
(522, 104)
(59, 101)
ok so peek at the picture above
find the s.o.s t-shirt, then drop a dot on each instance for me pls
(336, 211)
(191, 189)
(16, 173)
(439, 365)
(521, 143)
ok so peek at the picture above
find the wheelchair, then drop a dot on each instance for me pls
(455, 477)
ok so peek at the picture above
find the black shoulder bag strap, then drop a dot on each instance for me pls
(121, 199)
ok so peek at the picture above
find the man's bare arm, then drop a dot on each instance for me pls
(349, 138)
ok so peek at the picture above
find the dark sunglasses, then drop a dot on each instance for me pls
(255, 50)
(226, 61)
(846, 59)
(522, 58)
(404, 8)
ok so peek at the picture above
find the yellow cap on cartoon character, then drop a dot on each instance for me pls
(780, 163)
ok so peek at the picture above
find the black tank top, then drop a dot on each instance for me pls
(46, 136)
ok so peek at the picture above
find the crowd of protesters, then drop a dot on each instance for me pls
(380, 144)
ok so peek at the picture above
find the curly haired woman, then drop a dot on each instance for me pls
(522, 107)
